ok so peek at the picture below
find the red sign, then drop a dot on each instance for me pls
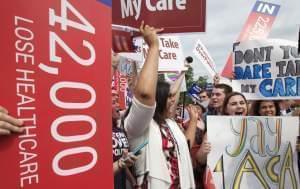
(258, 26)
(122, 41)
(175, 16)
(55, 77)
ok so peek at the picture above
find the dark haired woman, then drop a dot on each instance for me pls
(165, 162)
(265, 108)
(235, 103)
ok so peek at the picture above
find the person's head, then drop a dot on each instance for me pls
(165, 102)
(201, 109)
(265, 108)
(115, 106)
(235, 103)
(203, 96)
(218, 95)
(286, 104)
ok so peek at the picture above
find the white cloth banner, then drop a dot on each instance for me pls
(170, 53)
(267, 69)
(171, 77)
(202, 54)
(253, 152)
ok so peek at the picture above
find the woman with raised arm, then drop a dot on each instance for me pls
(165, 162)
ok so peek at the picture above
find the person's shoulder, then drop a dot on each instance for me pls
(137, 103)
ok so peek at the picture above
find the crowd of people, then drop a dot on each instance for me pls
(174, 151)
(177, 149)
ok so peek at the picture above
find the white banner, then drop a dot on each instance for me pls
(170, 53)
(253, 152)
(202, 54)
(171, 77)
(267, 69)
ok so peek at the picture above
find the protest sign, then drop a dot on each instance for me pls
(55, 73)
(122, 38)
(257, 26)
(171, 77)
(119, 83)
(170, 53)
(253, 152)
(201, 52)
(194, 92)
(175, 16)
(127, 66)
(267, 69)
(123, 81)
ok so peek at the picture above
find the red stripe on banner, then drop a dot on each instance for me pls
(257, 26)
(132, 13)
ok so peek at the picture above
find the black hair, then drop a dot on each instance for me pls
(256, 106)
(201, 106)
(162, 94)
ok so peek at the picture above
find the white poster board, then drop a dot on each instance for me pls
(170, 53)
(253, 152)
(201, 52)
(267, 69)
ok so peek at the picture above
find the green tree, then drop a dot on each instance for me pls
(202, 81)
(189, 77)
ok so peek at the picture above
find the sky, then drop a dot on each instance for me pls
(224, 22)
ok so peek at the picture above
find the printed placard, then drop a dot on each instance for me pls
(170, 53)
(175, 16)
(201, 52)
(267, 69)
(257, 26)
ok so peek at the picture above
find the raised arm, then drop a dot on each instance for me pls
(190, 132)
(175, 87)
(143, 105)
(175, 90)
(146, 85)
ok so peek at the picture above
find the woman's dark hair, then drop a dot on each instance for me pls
(256, 106)
(162, 94)
(227, 98)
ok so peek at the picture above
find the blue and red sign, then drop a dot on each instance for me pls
(258, 26)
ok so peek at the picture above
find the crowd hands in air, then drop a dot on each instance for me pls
(175, 136)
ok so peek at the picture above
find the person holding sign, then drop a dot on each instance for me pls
(9, 124)
(122, 159)
(165, 162)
